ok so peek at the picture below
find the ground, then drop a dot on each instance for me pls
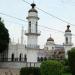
(7, 71)
(16, 72)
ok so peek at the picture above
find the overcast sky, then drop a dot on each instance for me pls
(63, 9)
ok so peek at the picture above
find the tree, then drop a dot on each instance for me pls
(51, 67)
(71, 59)
(4, 37)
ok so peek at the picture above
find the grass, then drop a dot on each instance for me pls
(67, 74)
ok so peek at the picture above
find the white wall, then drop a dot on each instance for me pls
(50, 45)
(32, 40)
(32, 55)
(67, 48)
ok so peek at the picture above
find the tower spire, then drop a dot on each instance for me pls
(68, 28)
(22, 30)
(50, 35)
(68, 40)
(32, 32)
(33, 5)
(33, 1)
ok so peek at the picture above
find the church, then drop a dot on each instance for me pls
(21, 55)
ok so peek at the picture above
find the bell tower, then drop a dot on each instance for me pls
(68, 40)
(32, 32)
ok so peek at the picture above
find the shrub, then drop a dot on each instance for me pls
(71, 58)
(66, 66)
(67, 69)
(51, 67)
(30, 71)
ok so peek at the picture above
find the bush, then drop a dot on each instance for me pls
(71, 58)
(51, 67)
(66, 66)
(30, 71)
(67, 69)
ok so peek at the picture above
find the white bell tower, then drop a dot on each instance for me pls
(32, 32)
(68, 41)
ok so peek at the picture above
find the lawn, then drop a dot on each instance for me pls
(67, 74)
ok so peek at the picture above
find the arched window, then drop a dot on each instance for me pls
(29, 26)
(12, 57)
(20, 57)
(38, 59)
(41, 58)
(45, 58)
(25, 58)
(66, 40)
(52, 48)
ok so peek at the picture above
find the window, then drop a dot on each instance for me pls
(38, 59)
(41, 58)
(52, 48)
(25, 58)
(29, 26)
(12, 57)
(45, 58)
(20, 57)
(66, 40)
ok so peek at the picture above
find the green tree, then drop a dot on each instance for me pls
(51, 67)
(4, 37)
(71, 59)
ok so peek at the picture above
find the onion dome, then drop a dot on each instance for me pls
(68, 30)
(50, 39)
(33, 9)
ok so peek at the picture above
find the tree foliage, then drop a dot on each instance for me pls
(51, 67)
(71, 58)
(4, 37)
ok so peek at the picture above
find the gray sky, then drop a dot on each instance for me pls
(64, 9)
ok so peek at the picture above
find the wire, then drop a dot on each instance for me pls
(14, 22)
(50, 14)
(39, 26)
(50, 28)
(12, 16)
(27, 21)
(43, 27)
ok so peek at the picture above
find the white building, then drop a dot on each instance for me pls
(21, 55)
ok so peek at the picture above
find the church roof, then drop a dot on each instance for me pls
(33, 9)
(50, 39)
(59, 47)
(68, 30)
